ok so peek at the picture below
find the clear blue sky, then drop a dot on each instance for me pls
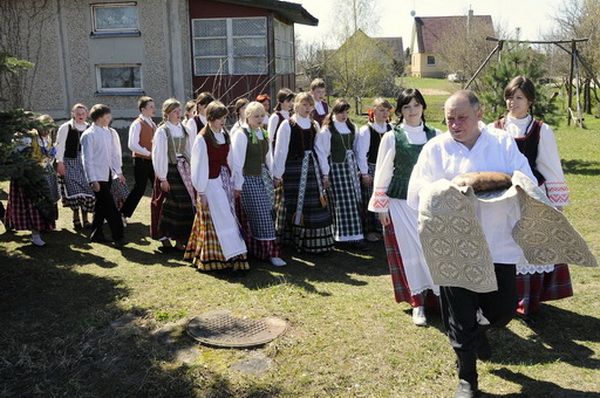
(534, 17)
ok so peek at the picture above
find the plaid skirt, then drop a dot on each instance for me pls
(314, 234)
(399, 280)
(119, 192)
(543, 286)
(346, 205)
(371, 220)
(203, 248)
(176, 215)
(21, 215)
(75, 190)
(260, 249)
(52, 182)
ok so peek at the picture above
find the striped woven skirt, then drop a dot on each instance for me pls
(255, 213)
(176, 215)
(346, 204)
(313, 234)
(75, 190)
(533, 288)
(370, 219)
(22, 215)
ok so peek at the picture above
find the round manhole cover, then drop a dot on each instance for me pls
(221, 329)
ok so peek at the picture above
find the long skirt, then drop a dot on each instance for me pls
(119, 192)
(172, 213)
(346, 203)
(371, 220)
(255, 213)
(75, 190)
(21, 214)
(313, 234)
(204, 247)
(533, 288)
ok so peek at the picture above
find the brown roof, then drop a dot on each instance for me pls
(294, 12)
(431, 29)
(395, 45)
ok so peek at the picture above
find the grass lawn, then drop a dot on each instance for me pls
(89, 320)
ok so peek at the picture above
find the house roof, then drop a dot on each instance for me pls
(394, 43)
(293, 12)
(430, 30)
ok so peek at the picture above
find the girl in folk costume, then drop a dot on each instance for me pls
(307, 219)
(190, 109)
(335, 144)
(249, 154)
(285, 103)
(318, 91)
(216, 242)
(173, 196)
(74, 188)
(22, 213)
(265, 101)
(366, 148)
(240, 113)
(198, 121)
(398, 153)
(535, 139)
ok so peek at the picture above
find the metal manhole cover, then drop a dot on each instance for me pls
(221, 329)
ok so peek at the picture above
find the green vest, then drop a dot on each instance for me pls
(255, 153)
(340, 143)
(404, 161)
(179, 142)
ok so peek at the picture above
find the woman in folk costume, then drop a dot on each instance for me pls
(249, 154)
(74, 188)
(216, 242)
(366, 148)
(265, 101)
(173, 196)
(190, 109)
(535, 139)
(240, 113)
(334, 147)
(318, 92)
(307, 219)
(22, 213)
(198, 121)
(398, 153)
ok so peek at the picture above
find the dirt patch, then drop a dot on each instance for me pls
(433, 91)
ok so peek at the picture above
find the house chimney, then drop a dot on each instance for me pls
(469, 18)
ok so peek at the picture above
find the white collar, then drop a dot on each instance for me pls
(412, 129)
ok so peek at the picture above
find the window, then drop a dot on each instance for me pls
(230, 46)
(430, 60)
(115, 19)
(284, 48)
(119, 79)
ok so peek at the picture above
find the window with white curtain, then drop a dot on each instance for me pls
(114, 18)
(119, 78)
(230, 46)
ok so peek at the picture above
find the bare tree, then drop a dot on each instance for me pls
(351, 15)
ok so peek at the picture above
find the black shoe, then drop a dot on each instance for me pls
(466, 390)
(360, 245)
(484, 350)
(98, 238)
(119, 243)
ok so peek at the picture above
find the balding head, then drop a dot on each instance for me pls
(462, 96)
(463, 112)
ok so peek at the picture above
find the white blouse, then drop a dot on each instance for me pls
(199, 162)
(101, 153)
(320, 108)
(444, 158)
(160, 154)
(61, 137)
(548, 158)
(239, 144)
(192, 127)
(283, 142)
(362, 143)
(273, 120)
(323, 144)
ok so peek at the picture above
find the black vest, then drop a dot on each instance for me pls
(72, 144)
(300, 140)
(375, 140)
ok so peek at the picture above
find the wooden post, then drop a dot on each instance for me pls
(570, 83)
(498, 46)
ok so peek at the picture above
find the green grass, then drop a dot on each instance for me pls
(346, 338)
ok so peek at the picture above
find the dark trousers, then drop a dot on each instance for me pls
(142, 172)
(105, 209)
(459, 313)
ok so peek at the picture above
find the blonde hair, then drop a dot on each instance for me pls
(255, 108)
(317, 83)
(190, 105)
(48, 124)
(301, 97)
(169, 106)
(382, 102)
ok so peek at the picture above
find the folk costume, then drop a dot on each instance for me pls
(249, 157)
(321, 110)
(275, 121)
(397, 155)
(172, 212)
(535, 139)
(102, 163)
(141, 133)
(334, 147)
(366, 148)
(75, 190)
(215, 242)
(444, 158)
(195, 124)
(307, 219)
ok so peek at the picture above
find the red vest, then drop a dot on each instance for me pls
(217, 157)
(146, 136)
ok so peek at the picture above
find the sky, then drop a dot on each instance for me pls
(533, 17)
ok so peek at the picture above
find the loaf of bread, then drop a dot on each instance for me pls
(484, 181)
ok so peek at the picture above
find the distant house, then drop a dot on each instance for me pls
(429, 31)
(111, 51)
(390, 49)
